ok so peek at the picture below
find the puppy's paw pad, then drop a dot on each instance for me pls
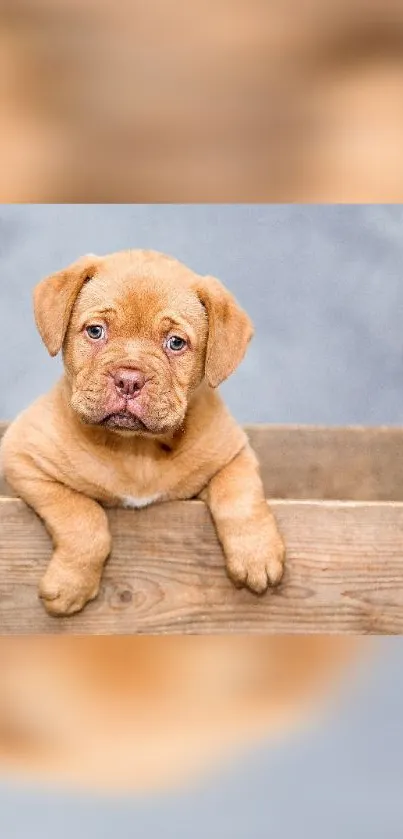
(258, 572)
(64, 592)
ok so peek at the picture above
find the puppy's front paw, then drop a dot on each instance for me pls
(257, 566)
(65, 591)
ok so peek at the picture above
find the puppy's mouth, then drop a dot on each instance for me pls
(123, 420)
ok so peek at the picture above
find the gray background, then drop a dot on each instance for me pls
(323, 285)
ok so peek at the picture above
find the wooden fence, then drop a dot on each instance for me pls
(339, 503)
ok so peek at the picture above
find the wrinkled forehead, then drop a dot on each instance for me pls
(140, 291)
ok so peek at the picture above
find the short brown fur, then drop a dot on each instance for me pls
(84, 445)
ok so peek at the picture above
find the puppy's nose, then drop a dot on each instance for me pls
(129, 382)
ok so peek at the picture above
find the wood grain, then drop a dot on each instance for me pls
(317, 462)
(353, 463)
(166, 574)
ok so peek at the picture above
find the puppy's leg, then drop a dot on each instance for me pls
(245, 525)
(80, 532)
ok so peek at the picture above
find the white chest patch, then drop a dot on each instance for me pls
(137, 503)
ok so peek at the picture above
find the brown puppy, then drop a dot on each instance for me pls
(136, 418)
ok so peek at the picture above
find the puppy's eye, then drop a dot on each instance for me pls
(176, 344)
(96, 333)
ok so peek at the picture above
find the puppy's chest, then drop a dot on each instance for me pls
(139, 501)
(140, 482)
(134, 481)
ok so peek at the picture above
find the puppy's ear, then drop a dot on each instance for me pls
(54, 299)
(230, 330)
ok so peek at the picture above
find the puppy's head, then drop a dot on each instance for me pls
(139, 333)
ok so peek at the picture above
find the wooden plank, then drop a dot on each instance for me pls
(353, 463)
(166, 574)
(317, 462)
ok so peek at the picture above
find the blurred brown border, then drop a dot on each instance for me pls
(241, 101)
(142, 712)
